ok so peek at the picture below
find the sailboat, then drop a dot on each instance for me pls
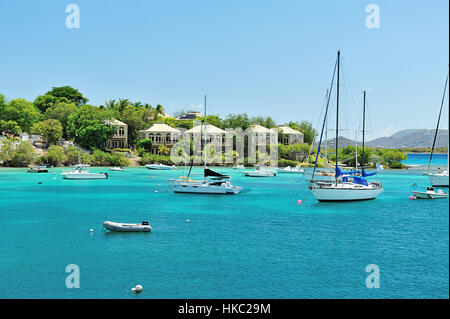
(213, 182)
(439, 179)
(350, 185)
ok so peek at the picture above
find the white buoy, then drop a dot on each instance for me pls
(156, 191)
(91, 230)
(187, 220)
(137, 289)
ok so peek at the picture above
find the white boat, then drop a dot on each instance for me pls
(79, 172)
(430, 194)
(239, 166)
(259, 171)
(38, 169)
(211, 186)
(160, 166)
(344, 191)
(440, 179)
(296, 170)
(116, 169)
(123, 227)
(212, 183)
(349, 185)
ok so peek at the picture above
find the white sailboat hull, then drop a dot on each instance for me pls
(341, 193)
(204, 188)
(159, 167)
(438, 180)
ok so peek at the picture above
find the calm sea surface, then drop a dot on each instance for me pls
(423, 159)
(259, 244)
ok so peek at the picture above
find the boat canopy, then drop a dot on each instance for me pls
(339, 172)
(209, 172)
(356, 180)
(364, 174)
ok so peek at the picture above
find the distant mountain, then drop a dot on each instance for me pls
(411, 138)
(401, 139)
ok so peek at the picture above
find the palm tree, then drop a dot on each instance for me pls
(123, 103)
(159, 110)
(110, 105)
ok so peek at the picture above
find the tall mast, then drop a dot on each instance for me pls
(363, 130)
(326, 139)
(337, 112)
(437, 126)
(356, 150)
(204, 148)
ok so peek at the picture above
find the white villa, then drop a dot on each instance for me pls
(289, 136)
(120, 137)
(161, 134)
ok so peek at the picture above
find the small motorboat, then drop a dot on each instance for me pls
(38, 169)
(239, 166)
(430, 194)
(160, 166)
(116, 168)
(259, 172)
(288, 169)
(80, 173)
(123, 227)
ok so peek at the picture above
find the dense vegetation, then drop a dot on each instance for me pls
(63, 113)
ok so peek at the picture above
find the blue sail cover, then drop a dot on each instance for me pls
(364, 174)
(340, 173)
(356, 180)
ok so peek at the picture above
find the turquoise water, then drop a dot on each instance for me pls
(423, 159)
(259, 244)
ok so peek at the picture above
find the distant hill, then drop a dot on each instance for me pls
(403, 139)
(411, 138)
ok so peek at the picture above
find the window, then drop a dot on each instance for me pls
(158, 138)
(152, 137)
(121, 131)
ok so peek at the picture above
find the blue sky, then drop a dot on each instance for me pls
(254, 56)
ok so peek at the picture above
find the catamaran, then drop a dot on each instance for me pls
(212, 183)
(350, 185)
(439, 178)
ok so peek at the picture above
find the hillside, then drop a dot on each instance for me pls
(410, 138)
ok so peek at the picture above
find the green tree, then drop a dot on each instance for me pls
(145, 143)
(237, 120)
(61, 112)
(51, 130)
(307, 129)
(9, 128)
(22, 112)
(393, 158)
(16, 153)
(136, 120)
(69, 93)
(55, 156)
(87, 127)
(43, 102)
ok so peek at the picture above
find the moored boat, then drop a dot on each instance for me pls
(116, 169)
(296, 170)
(259, 171)
(440, 178)
(38, 169)
(430, 193)
(124, 227)
(349, 185)
(79, 172)
(160, 166)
